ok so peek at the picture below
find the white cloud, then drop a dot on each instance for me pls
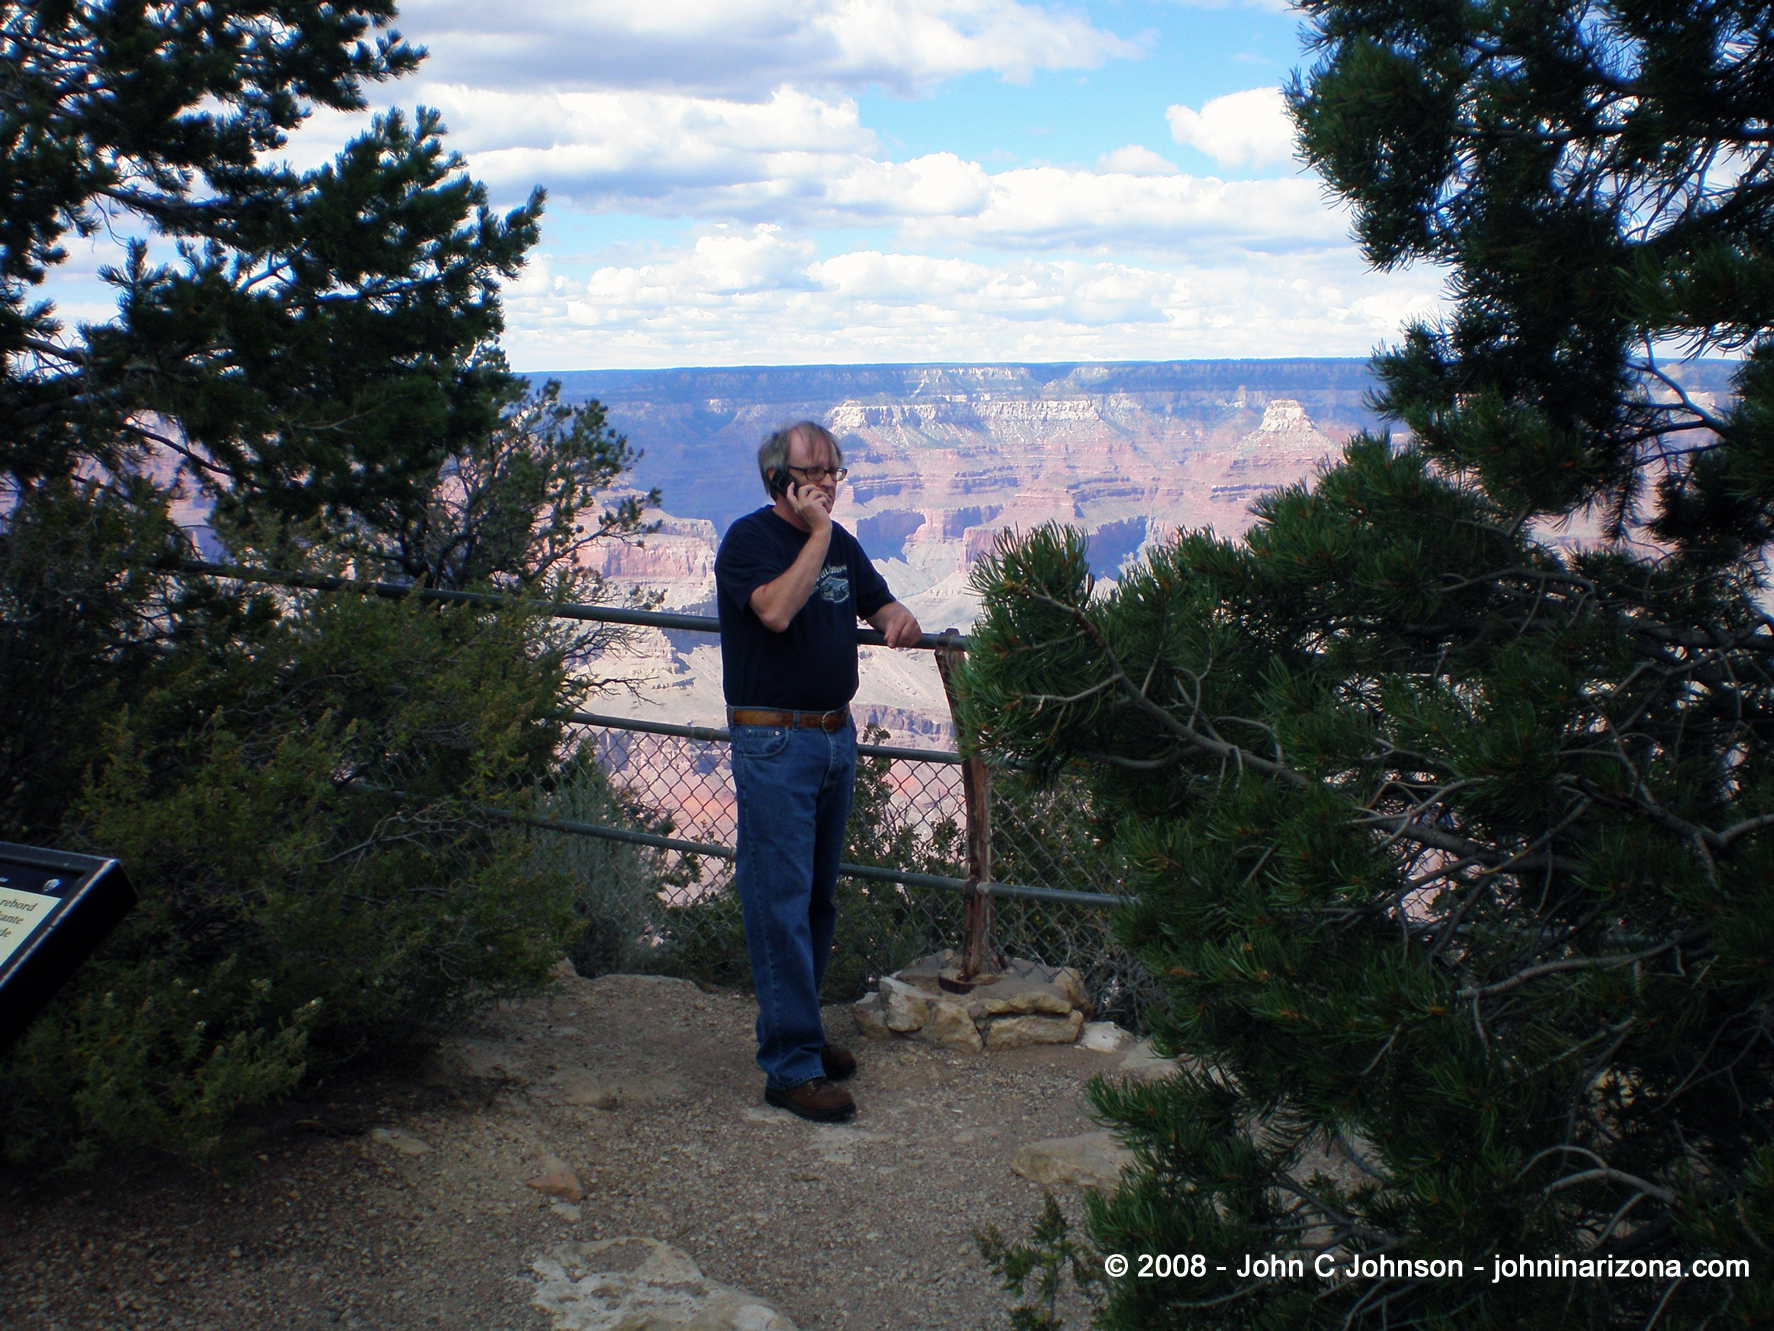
(742, 120)
(746, 48)
(760, 295)
(1249, 127)
(1135, 160)
(712, 280)
(653, 152)
(1051, 208)
(801, 161)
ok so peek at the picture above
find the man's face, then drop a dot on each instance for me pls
(805, 452)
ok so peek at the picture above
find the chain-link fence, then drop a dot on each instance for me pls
(640, 815)
(673, 784)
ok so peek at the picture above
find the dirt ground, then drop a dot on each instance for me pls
(402, 1201)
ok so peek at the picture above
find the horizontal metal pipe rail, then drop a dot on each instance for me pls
(871, 872)
(713, 736)
(600, 614)
(874, 873)
(690, 623)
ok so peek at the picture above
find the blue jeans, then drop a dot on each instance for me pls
(793, 789)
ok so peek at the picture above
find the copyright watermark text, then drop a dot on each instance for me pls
(1333, 1267)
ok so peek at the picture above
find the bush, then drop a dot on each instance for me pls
(307, 791)
(1399, 912)
(84, 615)
(616, 886)
(1454, 848)
(299, 789)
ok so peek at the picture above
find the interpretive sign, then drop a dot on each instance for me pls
(55, 908)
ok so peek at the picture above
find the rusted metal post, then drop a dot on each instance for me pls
(979, 953)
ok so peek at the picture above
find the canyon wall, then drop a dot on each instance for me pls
(1088, 442)
(945, 458)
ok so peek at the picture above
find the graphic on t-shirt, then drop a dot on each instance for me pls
(834, 583)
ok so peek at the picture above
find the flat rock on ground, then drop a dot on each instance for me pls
(1090, 1159)
(443, 1198)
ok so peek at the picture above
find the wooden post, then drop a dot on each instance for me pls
(979, 953)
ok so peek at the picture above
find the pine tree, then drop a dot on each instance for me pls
(320, 347)
(1454, 852)
(314, 341)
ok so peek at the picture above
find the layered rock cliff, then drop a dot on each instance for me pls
(1092, 444)
(1129, 454)
(934, 484)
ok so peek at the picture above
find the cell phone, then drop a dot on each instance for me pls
(780, 481)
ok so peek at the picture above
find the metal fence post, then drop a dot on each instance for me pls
(979, 952)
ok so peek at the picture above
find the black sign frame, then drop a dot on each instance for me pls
(92, 897)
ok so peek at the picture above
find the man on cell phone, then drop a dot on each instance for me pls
(792, 584)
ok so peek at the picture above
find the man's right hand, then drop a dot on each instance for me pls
(812, 505)
(777, 602)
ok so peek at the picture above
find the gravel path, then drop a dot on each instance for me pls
(402, 1202)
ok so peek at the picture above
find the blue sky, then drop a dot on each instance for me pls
(844, 181)
(1188, 55)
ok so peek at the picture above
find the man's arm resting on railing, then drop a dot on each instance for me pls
(899, 625)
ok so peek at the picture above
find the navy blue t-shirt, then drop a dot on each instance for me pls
(811, 665)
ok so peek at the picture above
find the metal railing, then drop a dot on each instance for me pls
(873, 873)
(928, 835)
(599, 614)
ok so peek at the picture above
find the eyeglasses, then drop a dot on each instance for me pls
(818, 474)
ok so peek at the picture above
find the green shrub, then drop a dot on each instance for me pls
(616, 886)
(704, 939)
(1043, 1261)
(300, 794)
(84, 617)
(306, 790)
(1453, 847)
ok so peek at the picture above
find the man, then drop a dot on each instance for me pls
(791, 585)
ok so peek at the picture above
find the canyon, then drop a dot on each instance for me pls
(946, 459)
(943, 460)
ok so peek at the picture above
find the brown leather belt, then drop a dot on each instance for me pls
(763, 716)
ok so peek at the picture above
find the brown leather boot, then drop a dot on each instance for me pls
(840, 1063)
(818, 1100)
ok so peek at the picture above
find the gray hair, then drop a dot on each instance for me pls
(773, 453)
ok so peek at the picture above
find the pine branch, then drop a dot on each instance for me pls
(1570, 964)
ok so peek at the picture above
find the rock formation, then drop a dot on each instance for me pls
(1027, 1003)
(962, 454)
(642, 1284)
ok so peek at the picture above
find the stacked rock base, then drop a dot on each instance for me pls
(1025, 1003)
